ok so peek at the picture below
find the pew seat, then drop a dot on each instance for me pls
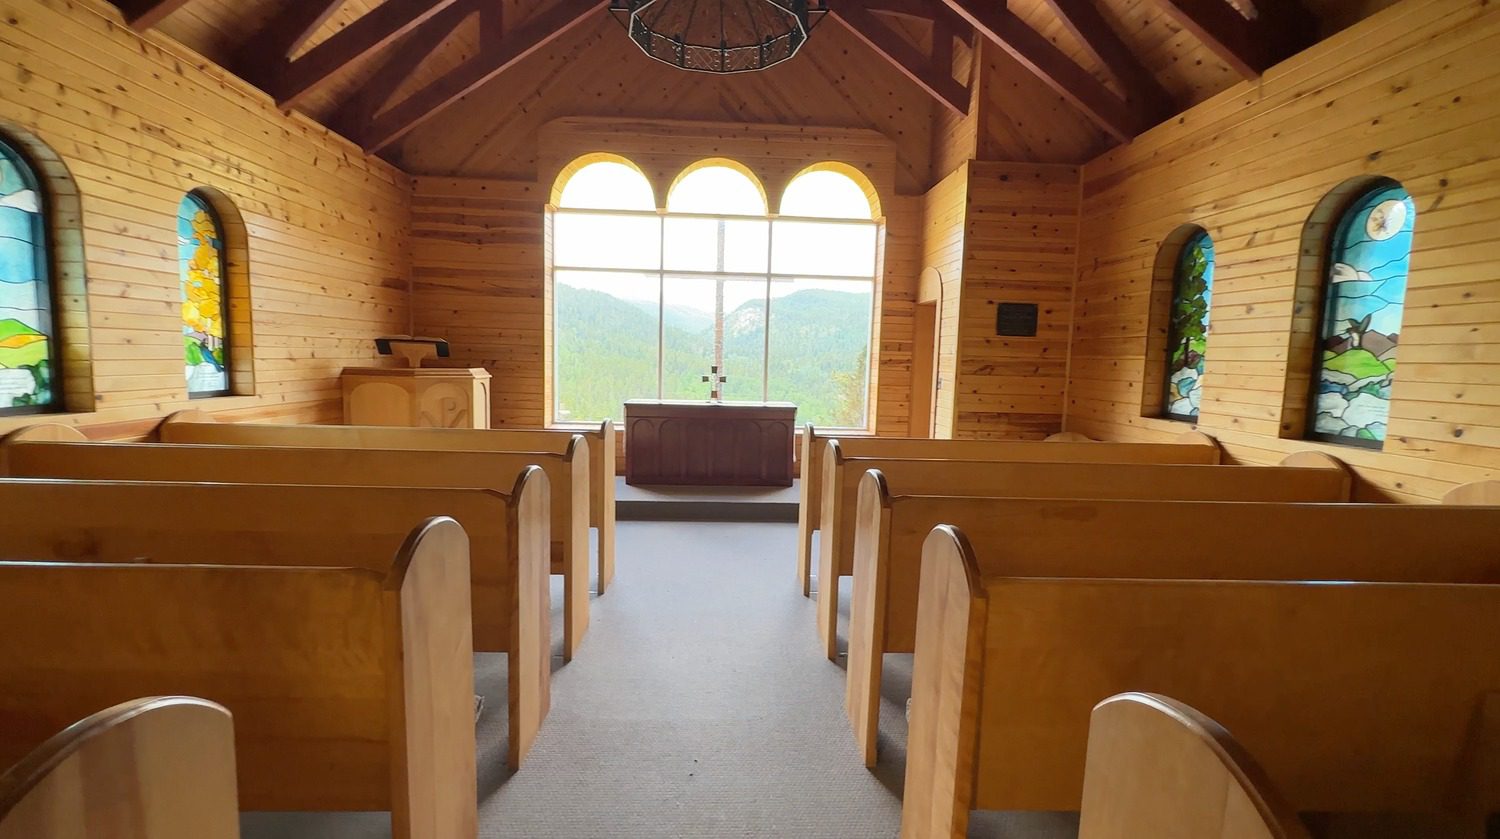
(154, 768)
(201, 427)
(1382, 658)
(300, 525)
(29, 453)
(351, 688)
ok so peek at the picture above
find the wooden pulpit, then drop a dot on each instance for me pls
(422, 397)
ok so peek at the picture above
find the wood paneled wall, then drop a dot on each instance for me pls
(479, 257)
(138, 121)
(477, 280)
(944, 212)
(1019, 243)
(1408, 93)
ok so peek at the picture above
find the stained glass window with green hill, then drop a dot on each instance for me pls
(1364, 295)
(28, 347)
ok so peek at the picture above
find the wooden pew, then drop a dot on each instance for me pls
(844, 461)
(1157, 768)
(901, 504)
(21, 455)
(194, 426)
(1475, 493)
(297, 525)
(155, 768)
(351, 689)
(1389, 673)
(813, 490)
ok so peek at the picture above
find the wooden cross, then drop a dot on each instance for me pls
(713, 376)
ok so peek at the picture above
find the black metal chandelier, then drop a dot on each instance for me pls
(718, 36)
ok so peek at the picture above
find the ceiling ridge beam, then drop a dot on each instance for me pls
(492, 60)
(1102, 41)
(937, 81)
(292, 26)
(1050, 64)
(352, 115)
(141, 15)
(291, 81)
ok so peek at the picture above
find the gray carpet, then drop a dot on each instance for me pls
(700, 705)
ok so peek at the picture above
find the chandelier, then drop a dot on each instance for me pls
(718, 36)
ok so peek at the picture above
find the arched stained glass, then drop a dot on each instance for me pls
(1364, 294)
(205, 309)
(826, 194)
(1187, 329)
(28, 344)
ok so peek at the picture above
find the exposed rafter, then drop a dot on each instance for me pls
(1104, 43)
(353, 115)
(290, 81)
(1248, 45)
(933, 77)
(289, 29)
(144, 14)
(1052, 66)
(494, 59)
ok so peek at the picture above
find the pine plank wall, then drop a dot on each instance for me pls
(137, 122)
(1408, 94)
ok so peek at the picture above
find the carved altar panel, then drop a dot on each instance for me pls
(709, 444)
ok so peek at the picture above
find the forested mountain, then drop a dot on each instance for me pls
(818, 353)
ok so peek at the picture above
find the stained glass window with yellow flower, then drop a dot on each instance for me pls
(205, 312)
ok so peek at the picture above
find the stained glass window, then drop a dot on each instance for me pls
(1187, 330)
(1363, 297)
(28, 346)
(205, 312)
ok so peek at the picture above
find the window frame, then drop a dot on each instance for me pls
(206, 203)
(769, 276)
(44, 253)
(1331, 251)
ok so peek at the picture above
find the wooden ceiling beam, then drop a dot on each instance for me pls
(297, 21)
(352, 116)
(1280, 29)
(291, 81)
(1050, 64)
(937, 80)
(1104, 44)
(494, 59)
(141, 15)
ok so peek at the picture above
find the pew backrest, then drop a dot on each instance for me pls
(1158, 768)
(1354, 696)
(154, 768)
(1481, 493)
(351, 688)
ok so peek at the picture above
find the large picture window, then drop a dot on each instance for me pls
(645, 301)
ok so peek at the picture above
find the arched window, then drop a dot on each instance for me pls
(1364, 293)
(646, 301)
(28, 343)
(1187, 327)
(205, 305)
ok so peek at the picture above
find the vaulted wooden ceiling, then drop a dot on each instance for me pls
(460, 86)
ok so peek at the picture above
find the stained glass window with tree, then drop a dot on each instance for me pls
(28, 345)
(1187, 329)
(1364, 295)
(205, 312)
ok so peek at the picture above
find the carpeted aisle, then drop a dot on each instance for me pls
(700, 705)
